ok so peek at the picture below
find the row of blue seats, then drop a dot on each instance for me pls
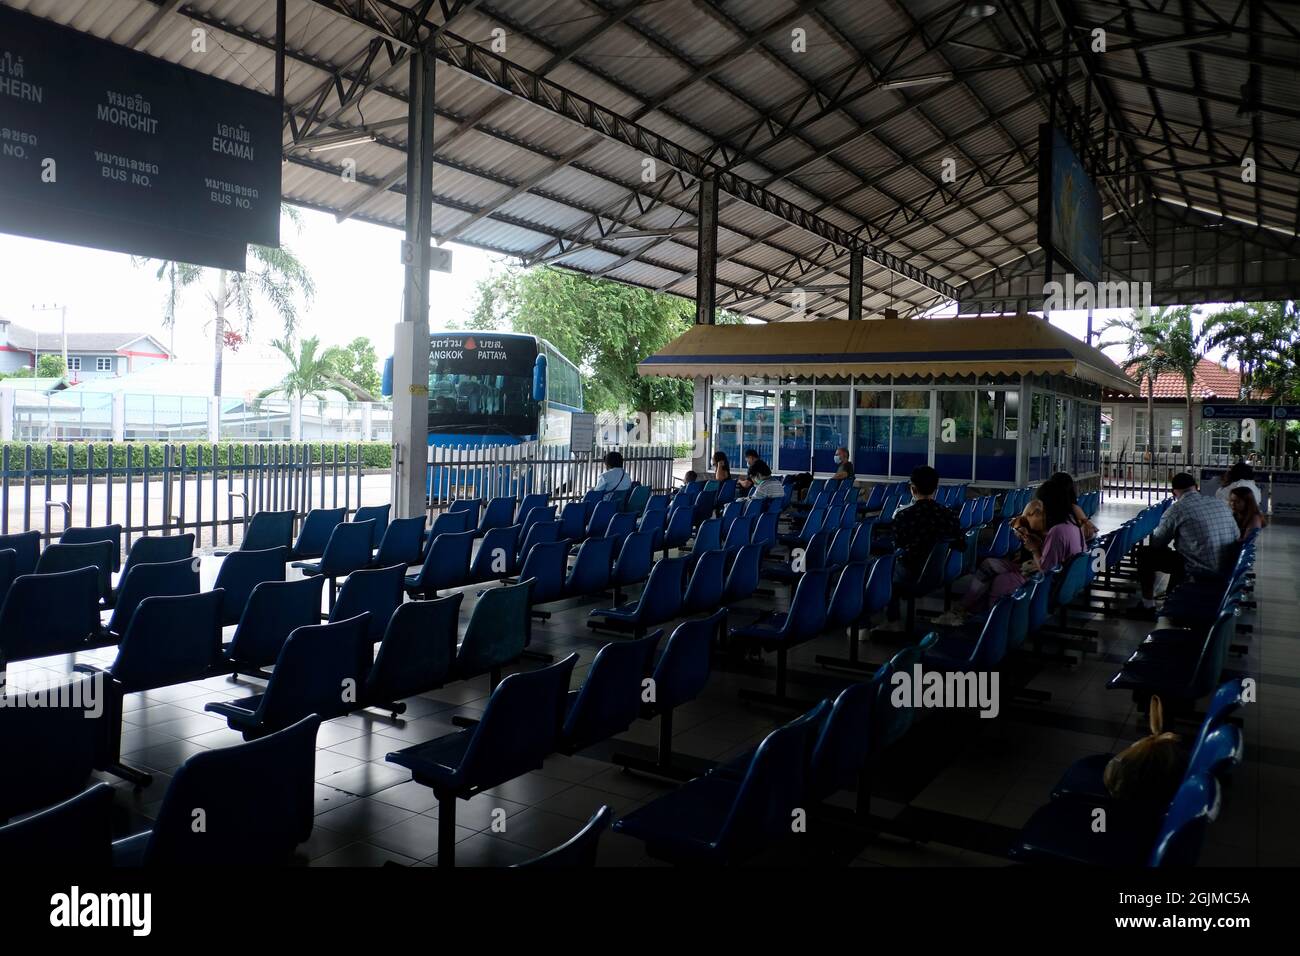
(1136, 833)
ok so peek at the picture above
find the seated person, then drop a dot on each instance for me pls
(1065, 479)
(1061, 538)
(843, 467)
(766, 485)
(615, 476)
(1204, 534)
(745, 482)
(1245, 509)
(721, 467)
(1240, 475)
(918, 528)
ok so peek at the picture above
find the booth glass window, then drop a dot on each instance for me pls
(1140, 433)
(871, 431)
(727, 408)
(1219, 437)
(954, 448)
(832, 427)
(1042, 408)
(795, 452)
(760, 412)
(998, 425)
(911, 431)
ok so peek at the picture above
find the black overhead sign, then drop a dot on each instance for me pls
(1238, 411)
(102, 146)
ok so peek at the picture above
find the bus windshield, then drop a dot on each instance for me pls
(482, 384)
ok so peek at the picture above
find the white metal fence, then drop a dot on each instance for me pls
(76, 415)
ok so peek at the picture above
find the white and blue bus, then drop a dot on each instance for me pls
(497, 388)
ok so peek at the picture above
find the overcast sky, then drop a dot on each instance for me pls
(355, 265)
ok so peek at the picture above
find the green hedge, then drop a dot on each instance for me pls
(374, 455)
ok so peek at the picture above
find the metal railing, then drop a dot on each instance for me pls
(495, 471)
(1146, 477)
(206, 488)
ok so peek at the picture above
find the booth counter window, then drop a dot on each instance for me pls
(968, 432)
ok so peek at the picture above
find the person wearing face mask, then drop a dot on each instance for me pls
(843, 467)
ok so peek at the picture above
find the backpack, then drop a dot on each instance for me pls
(1150, 770)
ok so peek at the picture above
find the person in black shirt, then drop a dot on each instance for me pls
(919, 527)
(843, 467)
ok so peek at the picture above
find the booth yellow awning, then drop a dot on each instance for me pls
(1001, 345)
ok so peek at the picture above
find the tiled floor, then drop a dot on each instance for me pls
(954, 790)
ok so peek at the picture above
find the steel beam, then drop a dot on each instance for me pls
(706, 251)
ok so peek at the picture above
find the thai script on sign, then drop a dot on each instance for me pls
(12, 82)
(230, 194)
(234, 141)
(124, 162)
(131, 112)
(17, 136)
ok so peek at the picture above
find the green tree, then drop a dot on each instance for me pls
(312, 373)
(1139, 334)
(1253, 333)
(275, 276)
(1183, 350)
(358, 363)
(51, 366)
(603, 327)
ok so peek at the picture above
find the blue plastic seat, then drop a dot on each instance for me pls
(579, 851)
(837, 552)
(703, 506)
(497, 554)
(49, 752)
(269, 529)
(69, 557)
(573, 521)
(531, 501)
(891, 724)
(704, 589)
(77, 832)
(545, 565)
(590, 571)
(499, 513)
(468, 507)
(877, 585)
(680, 676)
(449, 522)
(8, 571)
(497, 633)
(47, 614)
(26, 546)
(598, 522)
(446, 565)
(519, 729)
(541, 532)
(716, 819)
(315, 667)
(273, 611)
(678, 529)
(637, 498)
(169, 640)
(348, 550)
(742, 579)
(257, 801)
(781, 630)
(1185, 677)
(609, 701)
(416, 653)
(844, 609)
(151, 580)
(1062, 831)
(660, 600)
(1000, 545)
(379, 514)
(538, 514)
(315, 532)
(620, 526)
(632, 566)
(110, 533)
(402, 543)
(157, 549)
(376, 591)
(738, 535)
(956, 652)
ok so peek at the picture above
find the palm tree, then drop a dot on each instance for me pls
(312, 373)
(275, 275)
(1145, 356)
(1182, 347)
(1251, 332)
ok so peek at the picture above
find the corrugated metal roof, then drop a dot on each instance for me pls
(814, 125)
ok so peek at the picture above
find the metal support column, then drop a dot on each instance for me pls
(706, 264)
(411, 338)
(855, 286)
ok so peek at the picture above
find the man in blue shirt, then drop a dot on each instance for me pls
(614, 477)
